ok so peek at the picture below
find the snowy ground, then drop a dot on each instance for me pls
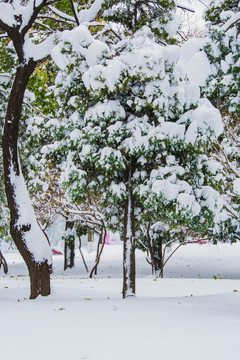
(187, 315)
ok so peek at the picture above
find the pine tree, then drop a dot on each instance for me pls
(138, 136)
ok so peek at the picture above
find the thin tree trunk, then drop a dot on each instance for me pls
(3, 263)
(90, 240)
(69, 248)
(26, 233)
(157, 256)
(81, 253)
(129, 271)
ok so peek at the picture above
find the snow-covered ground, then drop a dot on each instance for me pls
(188, 315)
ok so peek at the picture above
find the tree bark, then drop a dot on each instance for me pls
(90, 240)
(69, 248)
(157, 256)
(3, 263)
(40, 279)
(129, 268)
(24, 229)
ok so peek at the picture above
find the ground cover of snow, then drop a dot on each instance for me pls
(193, 313)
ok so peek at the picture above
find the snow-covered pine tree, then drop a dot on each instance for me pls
(138, 136)
(162, 19)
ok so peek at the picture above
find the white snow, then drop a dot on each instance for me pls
(233, 19)
(34, 238)
(205, 118)
(89, 14)
(38, 51)
(199, 69)
(7, 14)
(191, 47)
(187, 315)
(236, 186)
(95, 52)
(172, 26)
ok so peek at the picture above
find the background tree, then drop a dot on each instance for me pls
(17, 20)
(222, 88)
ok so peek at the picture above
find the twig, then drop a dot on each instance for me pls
(184, 243)
(74, 13)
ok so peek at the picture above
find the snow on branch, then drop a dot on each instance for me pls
(20, 16)
(231, 22)
(39, 51)
(184, 7)
(90, 14)
(86, 214)
(61, 14)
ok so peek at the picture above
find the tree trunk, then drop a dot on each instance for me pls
(3, 263)
(157, 256)
(69, 248)
(26, 233)
(90, 240)
(129, 271)
(69, 254)
(40, 279)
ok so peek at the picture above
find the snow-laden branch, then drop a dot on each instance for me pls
(197, 241)
(74, 10)
(232, 212)
(231, 22)
(90, 14)
(20, 16)
(184, 7)
(61, 14)
(37, 52)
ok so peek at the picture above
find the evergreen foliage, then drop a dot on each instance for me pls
(134, 124)
(158, 15)
(223, 51)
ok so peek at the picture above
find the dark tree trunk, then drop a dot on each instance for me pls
(157, 260)
(69, 247)
(24, 229)
(3, 263)
(129, 270)
(40, 279)
(90, 240)
(100, 246)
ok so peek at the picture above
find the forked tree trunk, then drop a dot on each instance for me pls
(28, 237)
(129, 271)
(69, 248)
